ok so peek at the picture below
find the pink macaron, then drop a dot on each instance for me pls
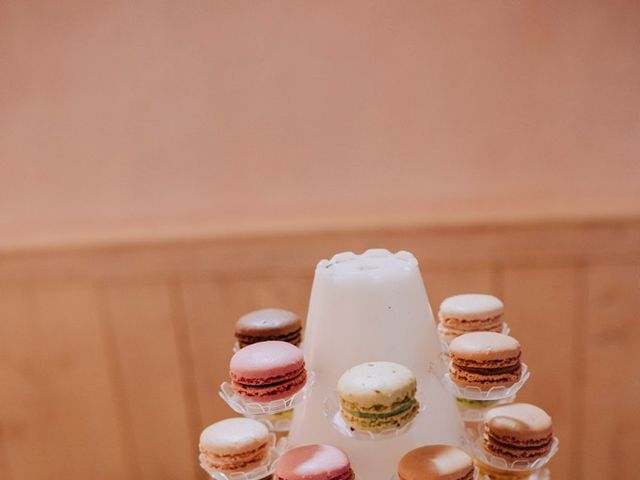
(314, 462)
(267, 371)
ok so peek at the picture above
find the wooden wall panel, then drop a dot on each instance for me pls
(21, 390)
(4, 458)
(148, 356)
(540, 307)
(611, 427)
(78, 386)
(142, 316)
(66, 370)
(210, 334)
(442, 283)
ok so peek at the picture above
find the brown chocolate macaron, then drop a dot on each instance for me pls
(519, 431)
(269, 324)
(436, 462)
(485, 360)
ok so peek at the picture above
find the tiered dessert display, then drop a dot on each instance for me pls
(380, 392)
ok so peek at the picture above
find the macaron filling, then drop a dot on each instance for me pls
(274, 388)
(294, 338)
(403, 407)
(234, 462)
(507, 448)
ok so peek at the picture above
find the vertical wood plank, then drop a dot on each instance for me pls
(84, 424)
(444, 282)
(612, 383)
(20, 393)
(211, 308)
(540, 307)
(71, 428)
(141, 317)
(4, 464)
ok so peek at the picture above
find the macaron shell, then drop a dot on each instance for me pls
(471, 306)
(235, 444)
(234, 435)
(377, 383)
(314, 462)
(522, 423)
(436, 462)
(482, 346)
(269, 324)
(266, 360)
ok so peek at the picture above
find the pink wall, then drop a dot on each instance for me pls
(134, 119)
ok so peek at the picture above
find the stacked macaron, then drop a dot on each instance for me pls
(485, 360)
(234, 445)
(268, 324)
(519, 431)
(436, 462)
(466, 313)
(314, 462)
(377, 396)
(267, 371)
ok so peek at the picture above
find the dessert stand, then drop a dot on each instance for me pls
(374, 307)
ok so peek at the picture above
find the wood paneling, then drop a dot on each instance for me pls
(442, 283)
(125, 346)
(20, 378)
(142, 316)
(611, 426)
(540, 307)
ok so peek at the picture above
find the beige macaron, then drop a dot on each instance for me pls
(471, 312)
(436, 462)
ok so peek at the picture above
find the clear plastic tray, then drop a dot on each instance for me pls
(476, 476)
(258, 473)
(277, 422)
(506, 330)
(477, 450)
(331, 410)
(475, 413)
(251, 408)
(495, 393)
(543, 474)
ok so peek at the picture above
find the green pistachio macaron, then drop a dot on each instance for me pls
(378, 396)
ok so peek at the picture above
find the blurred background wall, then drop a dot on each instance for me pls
(167, 166)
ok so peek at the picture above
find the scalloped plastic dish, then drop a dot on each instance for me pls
(495, 393)
(331, 410)
(277, 422)
(258, 473)
(476, 476)
(517, 466)
(244, 407)
(476, 414)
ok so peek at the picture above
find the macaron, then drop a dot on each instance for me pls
(436, 462)
(519, 431)
(485, 360)
(314, 462)
(472, 312)
(268, 324)
(267, 371)
(377, 396)
(235, 445)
